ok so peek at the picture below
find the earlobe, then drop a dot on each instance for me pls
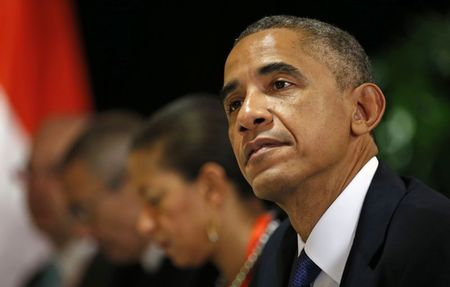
(369, 108)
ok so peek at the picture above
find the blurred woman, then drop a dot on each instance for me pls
(198, 206)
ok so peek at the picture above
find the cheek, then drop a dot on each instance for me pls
(236, 145)
(325, 138)
(188, 224)
(179, 217)
(232, 139)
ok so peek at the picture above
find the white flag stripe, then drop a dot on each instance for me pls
(22, 247)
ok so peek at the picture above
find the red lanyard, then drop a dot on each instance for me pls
(258, 230)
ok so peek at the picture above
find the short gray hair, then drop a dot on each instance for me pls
(334, 47)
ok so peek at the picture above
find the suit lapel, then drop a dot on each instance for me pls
(385, 192)
(285, 258)
(273, 268)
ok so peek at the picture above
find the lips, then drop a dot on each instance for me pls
(258, 144)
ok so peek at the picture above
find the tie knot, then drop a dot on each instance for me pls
(304, 271)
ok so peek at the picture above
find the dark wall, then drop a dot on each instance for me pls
(143, 53)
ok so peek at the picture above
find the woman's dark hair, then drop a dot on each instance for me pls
(194, 131)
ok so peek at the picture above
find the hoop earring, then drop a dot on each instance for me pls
(211, 232)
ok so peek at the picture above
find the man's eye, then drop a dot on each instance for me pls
(234, 105)
(281, 85)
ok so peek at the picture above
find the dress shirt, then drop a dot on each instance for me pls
(332, 237)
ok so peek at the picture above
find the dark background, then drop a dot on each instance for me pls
(143, 53)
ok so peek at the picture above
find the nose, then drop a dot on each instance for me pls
(146, 223)
(254, 112)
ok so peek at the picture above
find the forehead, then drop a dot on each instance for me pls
(47, 151)
(148, 175)
(272, 45)
(53, 139)
(146, 167)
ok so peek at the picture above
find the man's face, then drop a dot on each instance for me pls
(116, 224)
(288, 120)
(83, 191)
(110, 216)
(45, 198)
(45, 194)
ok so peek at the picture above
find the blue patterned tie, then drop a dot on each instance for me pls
(304, 271)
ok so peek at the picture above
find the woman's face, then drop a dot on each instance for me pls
(176, 213)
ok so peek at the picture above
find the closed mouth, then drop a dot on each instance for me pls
(260, 144)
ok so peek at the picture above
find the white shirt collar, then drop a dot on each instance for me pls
(152, 258)
(330, 241)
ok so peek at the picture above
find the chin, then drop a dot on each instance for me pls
(264, 191)
(269, 186)
(182, 262)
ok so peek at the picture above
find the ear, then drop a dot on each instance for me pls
(213, 183)
(369, 108)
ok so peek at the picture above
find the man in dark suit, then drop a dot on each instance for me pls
(301, 106)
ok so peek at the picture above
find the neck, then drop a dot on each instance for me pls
(235, 234)
(316, 194)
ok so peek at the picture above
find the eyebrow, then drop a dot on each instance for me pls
(227, 89)
(278, 67)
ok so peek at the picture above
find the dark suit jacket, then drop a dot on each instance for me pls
(402, 239)
(102, 273)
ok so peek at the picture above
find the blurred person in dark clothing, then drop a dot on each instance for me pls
(48, 207)
(104, 209)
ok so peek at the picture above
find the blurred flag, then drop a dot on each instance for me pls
(42, 73)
